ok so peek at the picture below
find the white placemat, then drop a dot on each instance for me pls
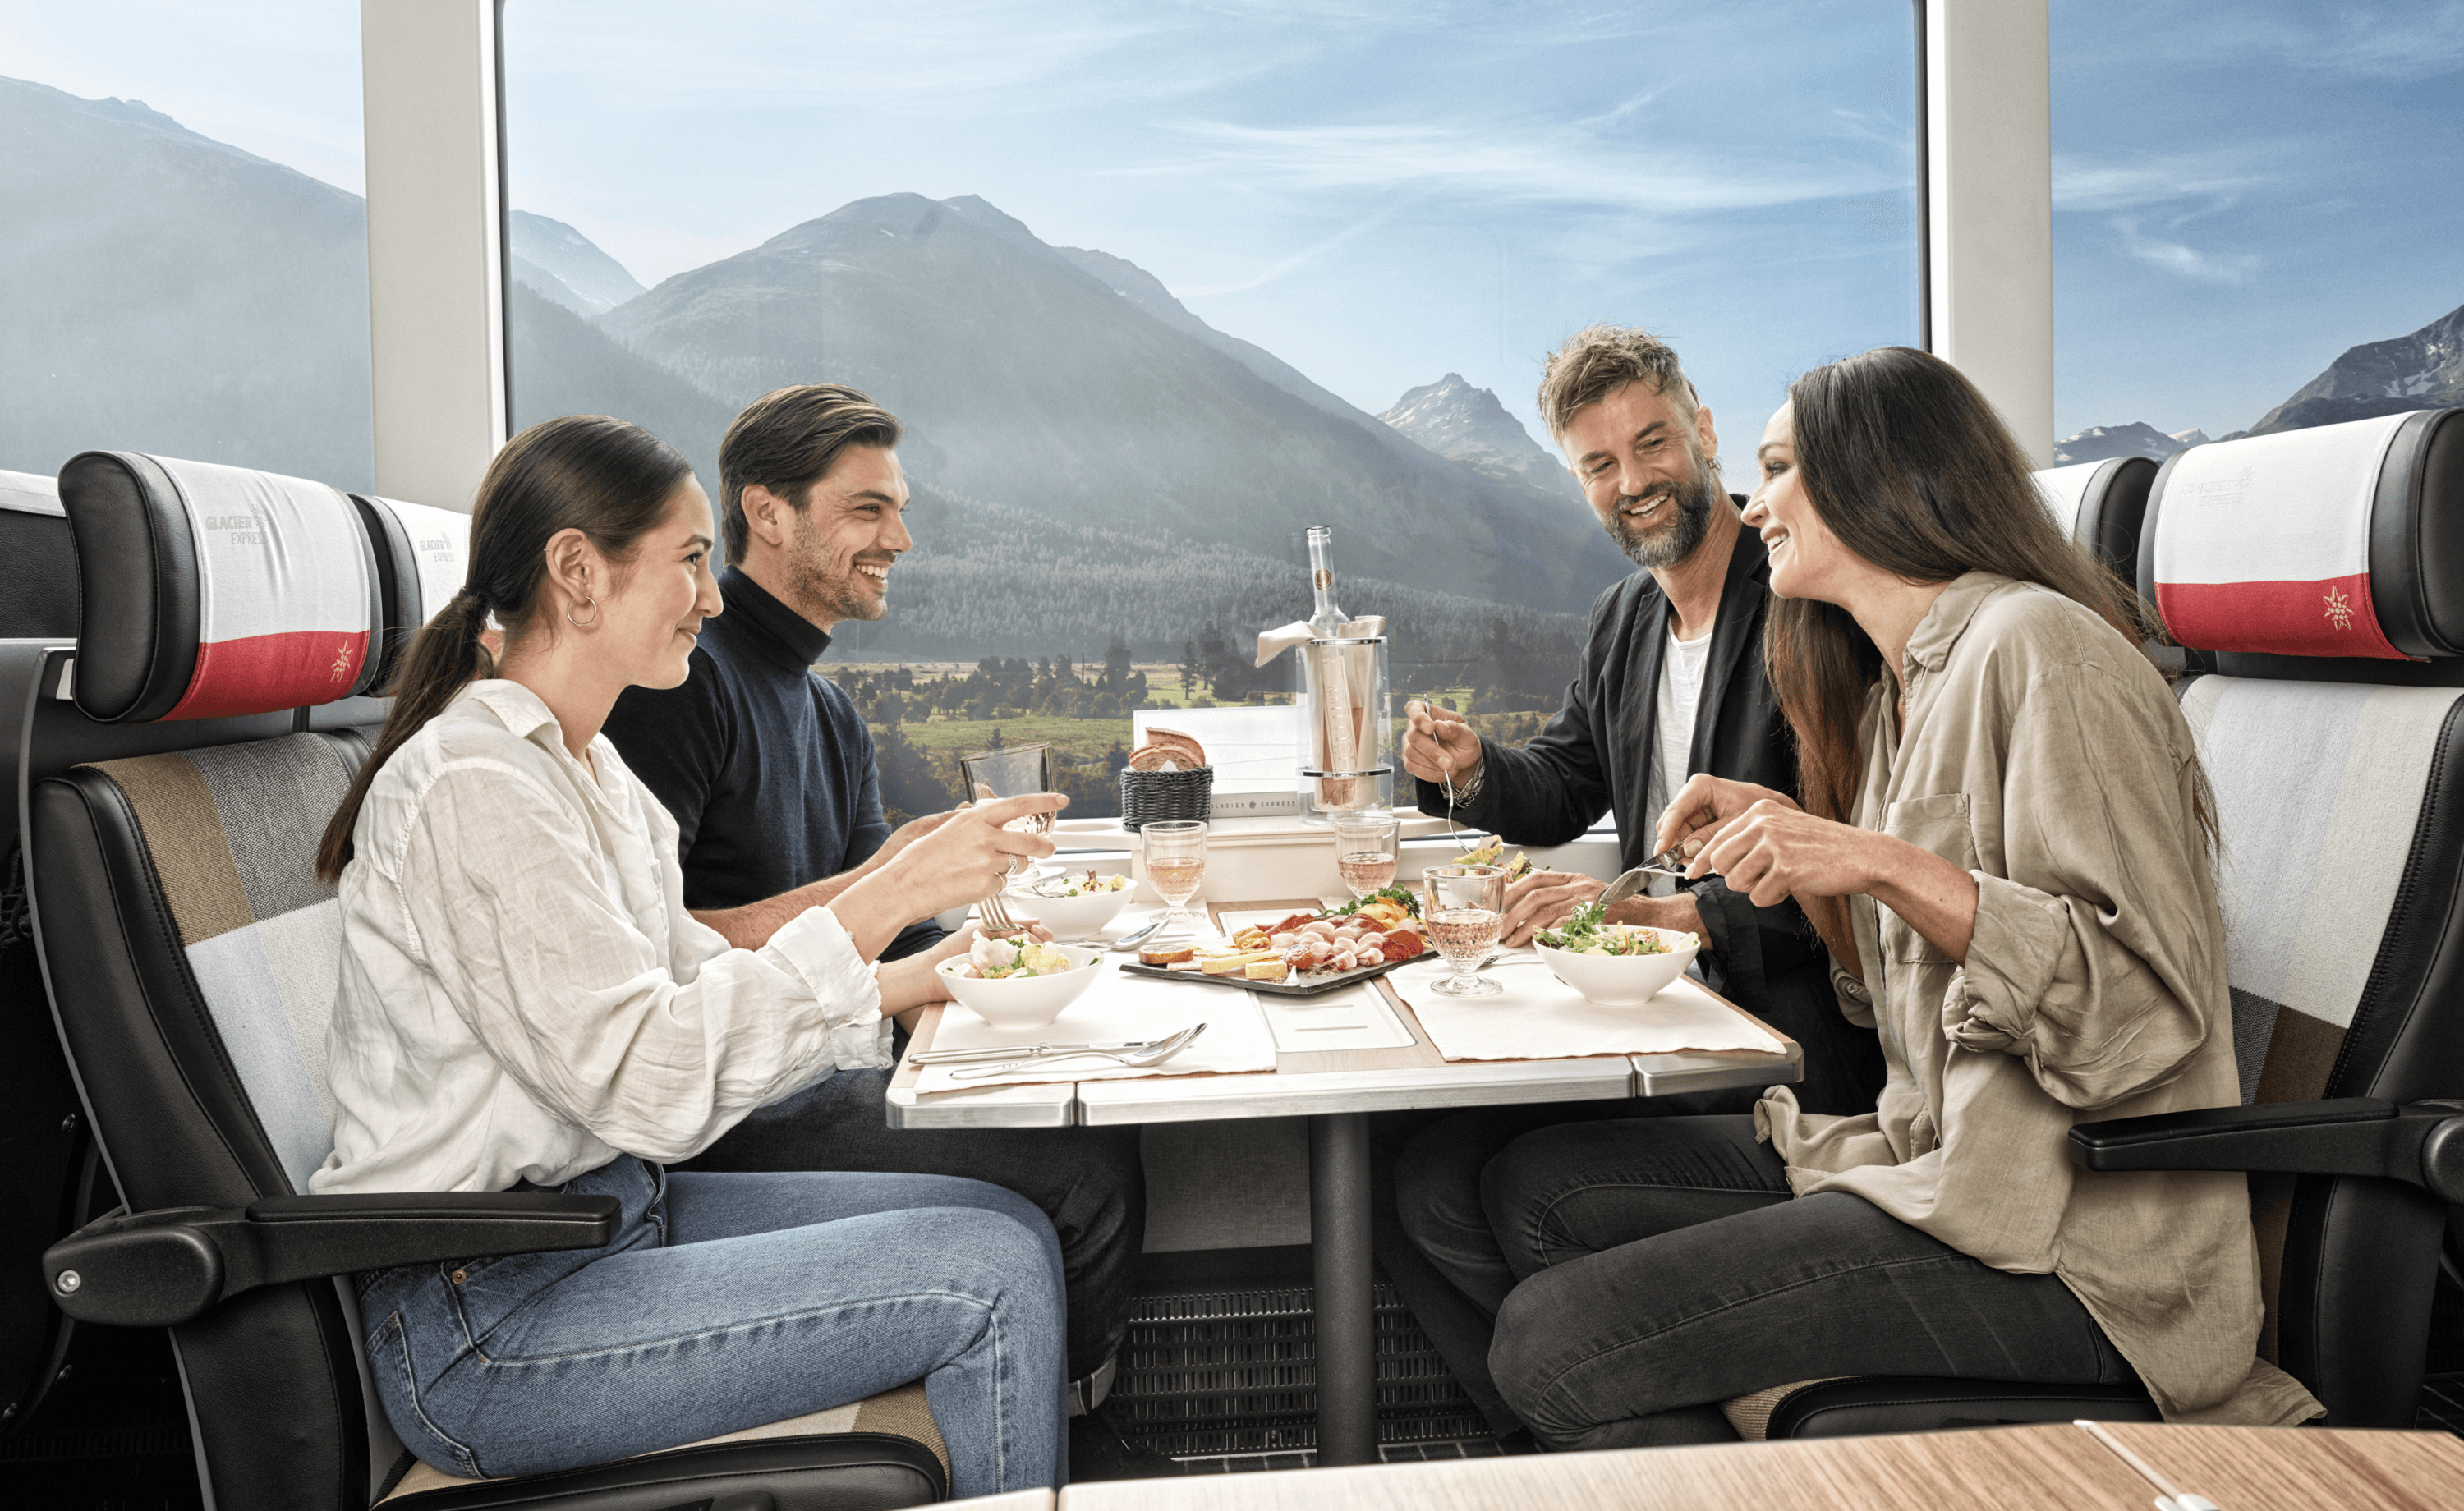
(1354, 1017)
(1538, 1017)
(1117, 1007)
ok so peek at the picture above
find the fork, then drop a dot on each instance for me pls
(995, 917)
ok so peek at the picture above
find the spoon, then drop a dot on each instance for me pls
(1139, 1059)
(1136, 936)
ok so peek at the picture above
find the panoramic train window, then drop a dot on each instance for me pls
(2254, 223)
(184, 267)
(1154, 286)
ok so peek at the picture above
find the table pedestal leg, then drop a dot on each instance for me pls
(1346, 1341)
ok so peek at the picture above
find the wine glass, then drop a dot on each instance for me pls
(1176, 854)
(1364, 849)
(1465, 906)
(1013, 771)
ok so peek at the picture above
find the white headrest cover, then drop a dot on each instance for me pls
(2264, 544)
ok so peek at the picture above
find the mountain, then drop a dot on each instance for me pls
(564, 365)
(2098, 442)
(2192, 437)
(567, 266)
(1034, 383)
(2423, 370)
(1147, 292)
(1467, 424)
(171, 294)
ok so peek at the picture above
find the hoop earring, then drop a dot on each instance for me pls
(581, 624)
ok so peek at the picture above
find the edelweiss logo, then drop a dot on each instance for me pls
(342, 662)
(2339, 609)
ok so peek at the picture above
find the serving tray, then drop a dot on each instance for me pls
(1305, 986)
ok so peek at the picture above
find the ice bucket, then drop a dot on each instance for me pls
(1346, 728)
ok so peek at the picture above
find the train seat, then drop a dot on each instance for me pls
(2323, 572)
(42, 1131)
(179, 777)
(2101, 504)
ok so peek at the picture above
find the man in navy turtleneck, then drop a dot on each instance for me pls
(768, 769)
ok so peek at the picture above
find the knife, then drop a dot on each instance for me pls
(1015, 1051)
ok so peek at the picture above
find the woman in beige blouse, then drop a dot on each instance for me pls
(2006, 843)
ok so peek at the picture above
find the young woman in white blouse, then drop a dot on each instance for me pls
(526, 1002)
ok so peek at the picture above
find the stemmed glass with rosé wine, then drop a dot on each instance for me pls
(1463, 906)
(1364, 849)
(1176, 859)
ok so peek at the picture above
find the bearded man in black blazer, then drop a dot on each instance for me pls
(1671, 683)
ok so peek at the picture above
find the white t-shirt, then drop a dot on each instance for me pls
(1680, 690)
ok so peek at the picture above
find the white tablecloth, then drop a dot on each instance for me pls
(1538, 1017)
(1118, 1006)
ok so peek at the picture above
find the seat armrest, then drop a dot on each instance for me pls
(158, 1269)
(2418, 1142)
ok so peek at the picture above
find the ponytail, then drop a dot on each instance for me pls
(445, 654)
(604, 477)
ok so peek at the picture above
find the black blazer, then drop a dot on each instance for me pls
(1596, 757)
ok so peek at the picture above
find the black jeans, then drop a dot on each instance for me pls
(1089, 1181)
(1666, 1268)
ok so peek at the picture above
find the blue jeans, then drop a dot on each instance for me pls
(728, 1301)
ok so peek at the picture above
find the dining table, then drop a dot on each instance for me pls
(1381, 1056)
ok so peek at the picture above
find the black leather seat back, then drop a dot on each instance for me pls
(39, 587)
(43, 1140)
(2100, 504)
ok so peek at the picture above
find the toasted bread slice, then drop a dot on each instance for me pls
(1166, 955)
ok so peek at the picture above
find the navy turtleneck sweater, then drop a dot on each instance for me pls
(766, 765)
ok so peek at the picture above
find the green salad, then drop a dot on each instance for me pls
(1586, 931)
(1401, 896)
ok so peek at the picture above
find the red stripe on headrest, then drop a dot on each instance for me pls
(2331, 617)
(260, 674)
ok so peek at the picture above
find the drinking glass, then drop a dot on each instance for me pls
(1013, 771)
(1177, 867)
(1364, 849)
(1463, 906)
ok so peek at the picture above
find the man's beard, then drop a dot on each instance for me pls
(1670, 541)
(833, 593)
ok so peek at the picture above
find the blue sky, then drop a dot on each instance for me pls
(2242, 190)
(1382, 192)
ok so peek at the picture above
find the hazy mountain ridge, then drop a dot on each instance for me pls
(567, 265)
(172, 294)
(1087, 398)
(1467, 424)
(984, 573)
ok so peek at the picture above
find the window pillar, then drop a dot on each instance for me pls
(1989, 201)
(436, 296)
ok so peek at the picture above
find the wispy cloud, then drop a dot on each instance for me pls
(1287, 265)
(1499, 163)
(2186, 261)
(2084, 184)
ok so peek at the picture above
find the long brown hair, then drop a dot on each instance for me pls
(1908, 465)
(604, 477)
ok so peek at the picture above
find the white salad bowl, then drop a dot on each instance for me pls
(1023, 1001)
(1623, 980)
(1080, 918)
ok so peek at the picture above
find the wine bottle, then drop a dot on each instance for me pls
(1327, 622)
(1337, 716)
